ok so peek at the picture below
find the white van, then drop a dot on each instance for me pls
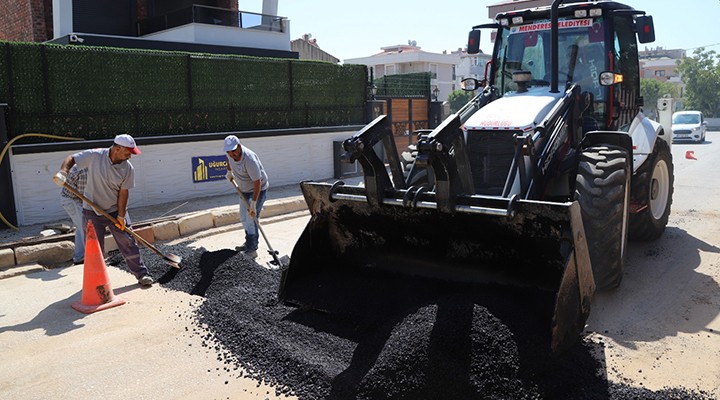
(688, 126)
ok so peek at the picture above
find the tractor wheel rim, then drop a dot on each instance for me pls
(659, 188)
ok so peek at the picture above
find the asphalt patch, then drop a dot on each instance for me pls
(407, 341)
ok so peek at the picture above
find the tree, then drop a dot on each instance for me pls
(459, 98)
(701, 75)
(651, 90)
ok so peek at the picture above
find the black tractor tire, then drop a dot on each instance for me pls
(603, 192)
(652, 185)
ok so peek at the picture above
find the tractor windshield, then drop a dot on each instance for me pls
(581, 54)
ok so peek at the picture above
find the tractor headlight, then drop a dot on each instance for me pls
(609, 78)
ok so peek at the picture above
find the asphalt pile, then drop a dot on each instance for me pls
(414, 340)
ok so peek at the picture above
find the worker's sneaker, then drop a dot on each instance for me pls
(240, 248)
(146, 280)
(250, 254)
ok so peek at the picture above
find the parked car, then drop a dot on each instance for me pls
(688, 126)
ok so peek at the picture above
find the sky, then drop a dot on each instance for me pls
(350, 29)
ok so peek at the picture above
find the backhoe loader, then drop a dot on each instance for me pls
(537, 182)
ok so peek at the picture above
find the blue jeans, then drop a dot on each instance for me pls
(251, 230)
(74, 210)
(126, 243)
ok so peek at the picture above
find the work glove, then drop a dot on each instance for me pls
(252, 210)
(229, 176)
(60, 178)
(120, 223)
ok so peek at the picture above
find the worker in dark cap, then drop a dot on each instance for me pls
(110, 175)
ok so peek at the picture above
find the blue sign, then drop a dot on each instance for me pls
(209, 168)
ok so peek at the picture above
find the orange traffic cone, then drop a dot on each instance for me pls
(97, 295)
(690, 155)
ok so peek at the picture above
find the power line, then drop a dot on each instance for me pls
(708, 45)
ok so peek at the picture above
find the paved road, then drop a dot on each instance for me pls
(146, 349)
(660, 328)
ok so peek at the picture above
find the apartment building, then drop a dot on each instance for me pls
(212, 26)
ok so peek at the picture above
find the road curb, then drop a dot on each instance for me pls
(15, 260)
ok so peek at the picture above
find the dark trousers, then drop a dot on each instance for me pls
(126, 243)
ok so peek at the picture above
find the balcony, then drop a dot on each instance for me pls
(211, 16)
(218, 26)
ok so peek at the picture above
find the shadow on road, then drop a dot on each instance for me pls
(662, 293)
(55, 319)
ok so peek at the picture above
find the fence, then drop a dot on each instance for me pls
(95, 93)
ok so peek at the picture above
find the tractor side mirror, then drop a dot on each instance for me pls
(474, 42)
(470, 84)
(645, 29)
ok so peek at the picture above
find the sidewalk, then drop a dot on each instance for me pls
(165, 221)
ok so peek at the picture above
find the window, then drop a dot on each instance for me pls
(390, 69)
(433, 71)
(660, 72)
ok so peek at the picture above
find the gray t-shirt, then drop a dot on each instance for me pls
(248, 170)
(104, 179)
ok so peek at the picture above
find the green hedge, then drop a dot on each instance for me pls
(97, 92)
(416, 84)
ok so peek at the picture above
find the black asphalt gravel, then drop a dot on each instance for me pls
(414, 340)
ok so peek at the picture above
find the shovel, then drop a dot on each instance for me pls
(277, 262)
(172, 259)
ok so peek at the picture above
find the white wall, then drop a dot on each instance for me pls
(62, 18)
(163, 172)
(713, 124)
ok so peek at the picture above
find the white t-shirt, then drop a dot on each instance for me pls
(248, 170)
(104, 179)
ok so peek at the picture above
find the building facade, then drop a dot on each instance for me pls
(662, 65)
(213, 26)
(472, 66)
(409, 58)
(26, 20)
(308, 49)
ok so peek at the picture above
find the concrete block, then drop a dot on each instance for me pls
(167, 230)
(46, 253)
(294, 205)
(195, 222)
(226, 216)
(271, 209)
(7, 258)
(146, 233)
(17, 270)
(110, 244)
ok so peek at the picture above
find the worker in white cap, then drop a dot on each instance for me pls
(245, 168)
(110, 175)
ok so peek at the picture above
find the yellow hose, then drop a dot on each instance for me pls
(7, 146)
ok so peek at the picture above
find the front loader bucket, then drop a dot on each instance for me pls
(487, 242)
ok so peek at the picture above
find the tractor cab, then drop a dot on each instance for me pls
(596, 49)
